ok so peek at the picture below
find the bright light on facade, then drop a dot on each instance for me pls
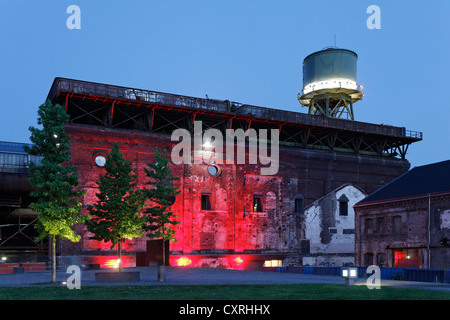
(184, 261)
(331, 84)
(273, 263)
(207, 144)
(113, 263)
(238, 260)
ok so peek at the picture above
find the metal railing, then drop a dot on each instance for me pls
(14, 159)
(148, 96)
(167, 99)
(414, 134)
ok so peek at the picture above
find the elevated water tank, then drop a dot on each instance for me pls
(329, 82)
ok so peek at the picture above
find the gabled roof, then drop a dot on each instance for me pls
(334, 191)
(419, 181)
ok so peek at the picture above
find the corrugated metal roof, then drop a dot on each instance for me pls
(13, 147)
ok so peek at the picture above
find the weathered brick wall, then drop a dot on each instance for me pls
(413, 232)
(277, 228)
(440, 229)
(331, 234)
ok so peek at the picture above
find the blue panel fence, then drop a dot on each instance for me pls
(408, 274)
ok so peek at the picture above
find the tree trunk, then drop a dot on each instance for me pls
(164, 252)
(162, 268)
(54, 259)
(120, 255)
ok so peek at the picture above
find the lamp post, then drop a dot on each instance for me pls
(349, 274)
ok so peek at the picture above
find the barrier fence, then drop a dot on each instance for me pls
(407, 274)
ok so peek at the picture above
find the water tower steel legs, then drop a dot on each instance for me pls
(332, 105)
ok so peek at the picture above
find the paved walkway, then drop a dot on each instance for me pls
(199, 276)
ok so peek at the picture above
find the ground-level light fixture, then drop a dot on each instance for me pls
(349, 274)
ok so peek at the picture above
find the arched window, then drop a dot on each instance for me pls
(343, 205)
(380, 259)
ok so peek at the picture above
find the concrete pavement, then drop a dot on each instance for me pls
(199, 276)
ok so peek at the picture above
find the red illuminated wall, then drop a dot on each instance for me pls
(224, 228)
(230, 227)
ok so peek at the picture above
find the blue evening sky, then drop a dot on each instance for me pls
(247, 51)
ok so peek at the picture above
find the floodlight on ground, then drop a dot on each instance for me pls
(349, 274)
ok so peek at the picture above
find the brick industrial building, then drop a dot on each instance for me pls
(231, 215)
(407, 222)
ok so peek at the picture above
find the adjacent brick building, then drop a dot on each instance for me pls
(407, 222)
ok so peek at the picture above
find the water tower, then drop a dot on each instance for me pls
(329, 83)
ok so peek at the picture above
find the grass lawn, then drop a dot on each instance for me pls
(221, 292)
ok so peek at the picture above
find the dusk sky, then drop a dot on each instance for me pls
(245, 51)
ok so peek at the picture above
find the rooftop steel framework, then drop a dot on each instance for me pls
(130, 108)
(17, 231)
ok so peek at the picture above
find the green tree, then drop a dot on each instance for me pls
(159, 217)
(116, 217)
(55, 181)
